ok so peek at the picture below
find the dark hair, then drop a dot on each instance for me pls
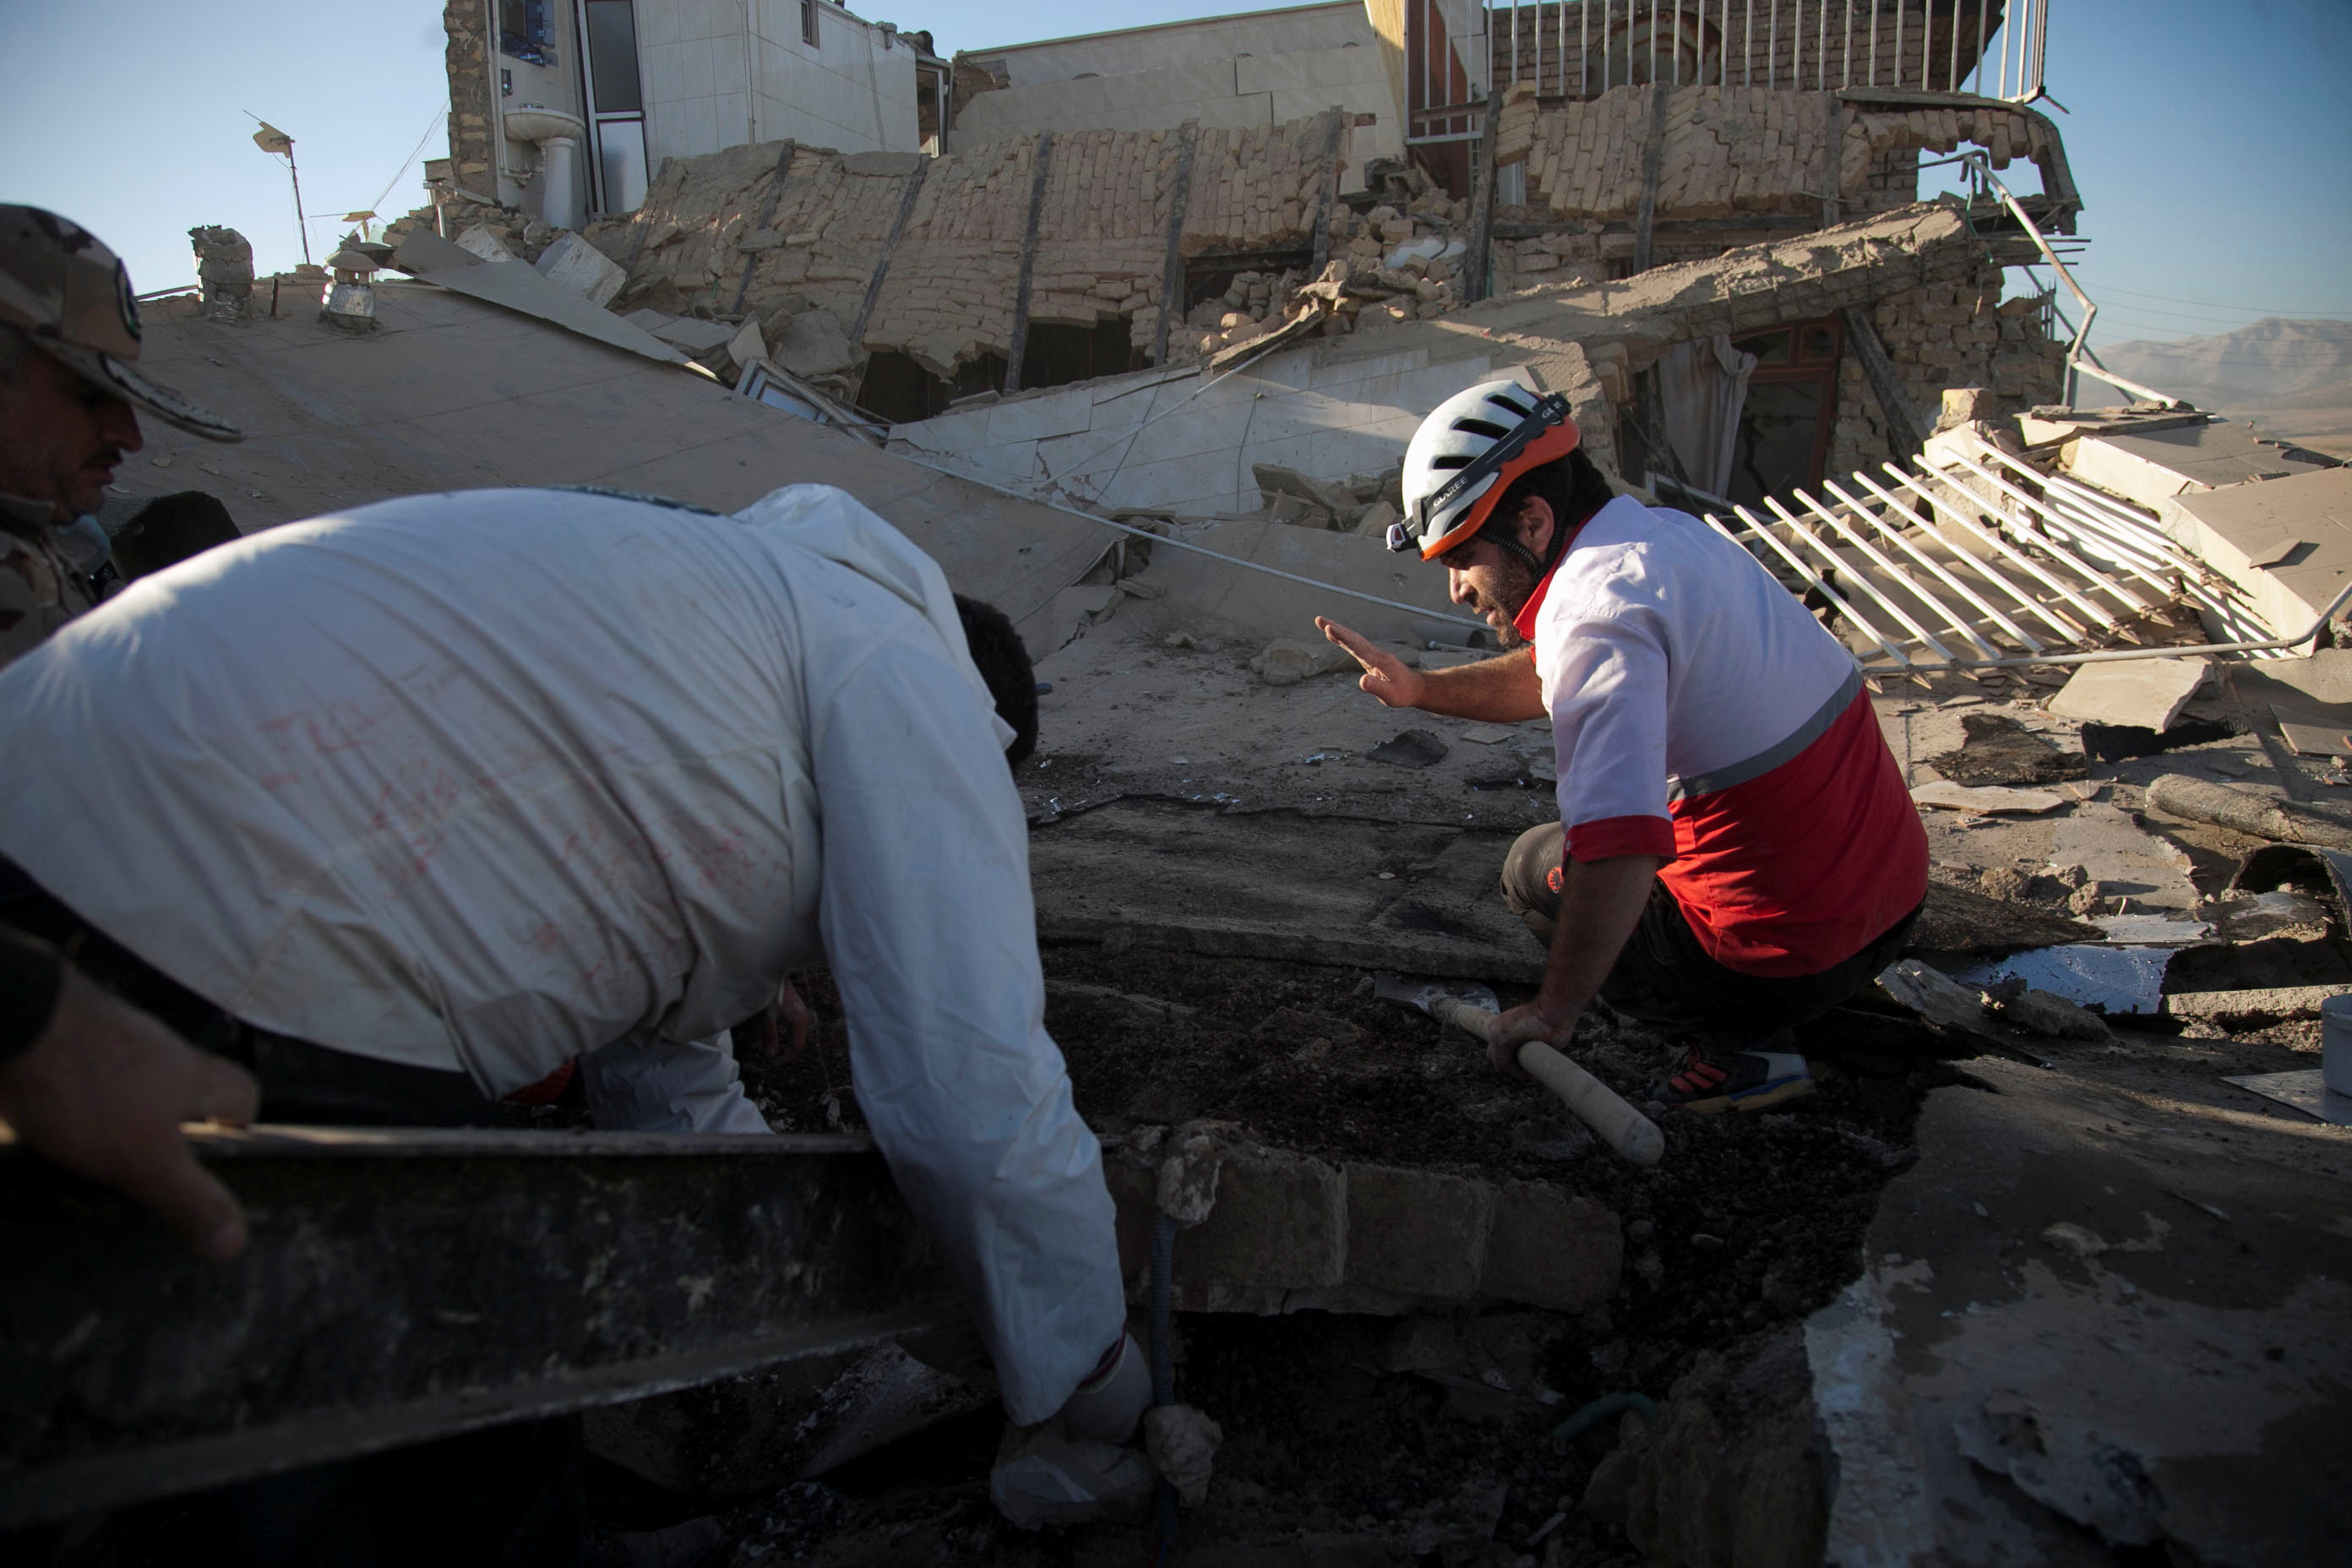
(1574, 487)
(170, 529)
(1004, 665)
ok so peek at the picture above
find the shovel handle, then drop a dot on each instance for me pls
(1633, 1135)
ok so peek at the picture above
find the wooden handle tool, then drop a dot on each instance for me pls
(1599, 1107)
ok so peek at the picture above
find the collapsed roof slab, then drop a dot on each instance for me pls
(2286, 541)
(1347, 405)
(2152, 462)
(451, 394)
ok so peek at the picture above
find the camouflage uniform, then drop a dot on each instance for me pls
(71, 299)
(39, 590)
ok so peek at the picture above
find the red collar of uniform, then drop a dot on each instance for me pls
(1524, 623)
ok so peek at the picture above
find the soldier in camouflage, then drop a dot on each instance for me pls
(69, 395)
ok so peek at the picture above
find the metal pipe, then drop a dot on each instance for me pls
(1874, 43)
(1845, 71)
(1877, 558)
(1898, 43)
(1653, 77)
(2079, 356)
(1771, 46)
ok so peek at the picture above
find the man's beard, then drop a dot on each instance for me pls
(1514, 584)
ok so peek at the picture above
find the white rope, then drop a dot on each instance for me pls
(1420, 610)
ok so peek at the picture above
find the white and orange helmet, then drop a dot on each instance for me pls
(1465, 455)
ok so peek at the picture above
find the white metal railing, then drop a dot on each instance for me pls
(1580, 48)
(2080, 358)
(1990, 563)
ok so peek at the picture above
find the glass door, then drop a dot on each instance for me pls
(616, 105)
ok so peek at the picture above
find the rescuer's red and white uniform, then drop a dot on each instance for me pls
(1700, 713)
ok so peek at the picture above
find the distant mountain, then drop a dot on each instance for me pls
(2273, 365)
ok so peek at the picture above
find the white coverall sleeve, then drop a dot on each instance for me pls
(925, 916)
(669, 1086)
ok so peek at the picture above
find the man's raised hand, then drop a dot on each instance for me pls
(1385, 676)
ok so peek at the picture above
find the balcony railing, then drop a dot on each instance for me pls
(1578, 49)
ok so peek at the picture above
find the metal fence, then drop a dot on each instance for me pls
(1578, 49)
(1990, 561)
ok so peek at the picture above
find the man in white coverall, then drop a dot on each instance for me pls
(404, 807)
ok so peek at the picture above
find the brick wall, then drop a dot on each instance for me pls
(469, 59)
(1950, 331)
(1732, 150)
(947, 297)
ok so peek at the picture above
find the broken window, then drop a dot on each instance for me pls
(1056, 355)
(900, 391)
(527, 30)
(1784, 431)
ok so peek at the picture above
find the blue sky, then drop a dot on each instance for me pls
(2210, 140)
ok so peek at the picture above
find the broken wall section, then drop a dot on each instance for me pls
(727, 236)
(1733, 152)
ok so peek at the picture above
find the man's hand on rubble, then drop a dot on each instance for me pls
(1385, 676)
(784, 1029)
(103, 1091)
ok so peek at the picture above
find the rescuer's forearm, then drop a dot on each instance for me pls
(1502, 690)
(1601, 902)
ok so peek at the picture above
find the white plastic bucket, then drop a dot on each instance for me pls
(2335, 1044)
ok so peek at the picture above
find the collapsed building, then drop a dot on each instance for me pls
(1146, 212)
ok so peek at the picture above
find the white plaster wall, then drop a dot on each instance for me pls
(1132, 49)
(1147, 441)
(720, 73)
(1249, 90)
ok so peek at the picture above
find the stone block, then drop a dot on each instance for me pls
(580, 267)
(2146, 693)
(485, 243)
(1281, 1222)
(1419, 1233)
(1551, 1248)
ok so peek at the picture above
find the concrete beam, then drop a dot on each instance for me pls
(402, 1285)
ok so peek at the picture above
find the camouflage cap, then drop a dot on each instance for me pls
(72, 297)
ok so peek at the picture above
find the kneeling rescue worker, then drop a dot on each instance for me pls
(1738, 853)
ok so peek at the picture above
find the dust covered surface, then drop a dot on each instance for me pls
(1374, 1439)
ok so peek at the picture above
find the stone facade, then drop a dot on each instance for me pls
(1733, 152)
(1947, 331)
(472, 149)
(948, 295)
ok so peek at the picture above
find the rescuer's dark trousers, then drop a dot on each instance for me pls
(508, 1496)
(1664, 977)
